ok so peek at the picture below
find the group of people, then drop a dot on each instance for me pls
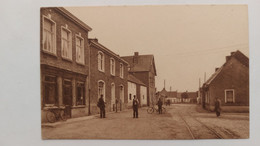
(101, 105)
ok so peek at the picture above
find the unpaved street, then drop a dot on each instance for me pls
(182, 121)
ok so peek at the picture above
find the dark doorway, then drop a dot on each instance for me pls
(67, 96)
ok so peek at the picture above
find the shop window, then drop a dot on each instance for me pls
(50, 91)
(80, 99)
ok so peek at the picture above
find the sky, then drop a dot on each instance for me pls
(187, 41)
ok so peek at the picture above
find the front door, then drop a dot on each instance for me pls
(113, 98)
(67, 96)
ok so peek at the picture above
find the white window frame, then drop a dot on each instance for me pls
(233, 95)
(101, 62)
(81, 47)
(69, 41)
(54, 52)
(112, 66)
(104, 89)
(121, 70)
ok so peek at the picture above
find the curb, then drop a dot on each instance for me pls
(79, 119)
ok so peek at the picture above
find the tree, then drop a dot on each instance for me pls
(184, 95)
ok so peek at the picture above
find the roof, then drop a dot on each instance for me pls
(164, 92)
(74, 18)
(144, 63)
(237, 55)
(133, 79)
(192, 94)
(241, 57)
(103, 48)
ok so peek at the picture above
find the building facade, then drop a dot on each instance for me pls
(143, 68)
(136, 88)
(229, 83)
(108, 77)
(64, 58)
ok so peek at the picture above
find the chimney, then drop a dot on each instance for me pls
(227, 58)
(95, 40)
(135, 60)
(170, 88)
(232, 53)
(216, 69)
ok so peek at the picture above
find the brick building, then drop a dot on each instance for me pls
(230, 83)
(64, 58)
(108, 77)
(143, 68)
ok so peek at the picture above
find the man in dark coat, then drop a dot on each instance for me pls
(217, 106)
(101, 105)
(159, 103)
(135, 107)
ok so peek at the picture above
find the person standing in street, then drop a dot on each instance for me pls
(135, 107)
(217, 106)
(159, 103)
(101, 105)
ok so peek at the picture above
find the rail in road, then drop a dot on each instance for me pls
(204, 125)
(189, 127)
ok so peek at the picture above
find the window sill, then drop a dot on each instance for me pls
(66, 59)
(80, 63)
(79, 106)
(48, 107)
(49, 53)
(102, 71)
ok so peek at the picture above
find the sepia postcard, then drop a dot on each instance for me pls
(162, 72)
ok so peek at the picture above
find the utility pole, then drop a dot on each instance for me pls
(204, 77)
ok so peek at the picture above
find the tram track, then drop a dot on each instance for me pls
(191, 132)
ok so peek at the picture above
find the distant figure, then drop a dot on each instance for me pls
(135, 107)
(159, 103)
(217, 106)
(101, 105)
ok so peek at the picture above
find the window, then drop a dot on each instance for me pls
(80, 49)
(112, 66)
(229, 96)
(101, 89)
(49, 35)
(50, 90)
(66, 45)
(121, 93)
(80, 99)
(130, 96)
(121, 70)
(101, 62)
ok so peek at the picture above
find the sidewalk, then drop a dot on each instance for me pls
(79, 119)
